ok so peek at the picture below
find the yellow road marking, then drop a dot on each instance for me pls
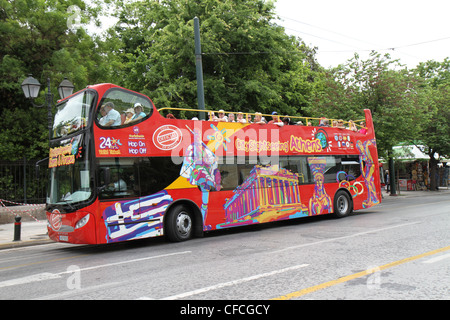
(328, 284)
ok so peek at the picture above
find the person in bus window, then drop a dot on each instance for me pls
(129, 115)
(231, 117)
(119, 187)
(102, 120)
(138, 112)
(112, 116)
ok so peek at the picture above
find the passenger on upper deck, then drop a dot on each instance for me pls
(276, 119)
(102, 120)
(112, 117)
(287, 121)
(212, 117)
(129, 115)
(258, 118)
(324, 122)
(240, 118)
(222, 116)
(340, 124)
(351, 126)
(231, 117)
(363, 129)
(138, 112)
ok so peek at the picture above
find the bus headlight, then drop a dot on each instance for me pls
(82, 222)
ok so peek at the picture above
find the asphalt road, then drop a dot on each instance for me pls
(397, 250)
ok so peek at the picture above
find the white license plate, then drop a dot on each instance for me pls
(64, 238)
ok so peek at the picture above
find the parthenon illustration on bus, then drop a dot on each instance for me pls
(269, 193)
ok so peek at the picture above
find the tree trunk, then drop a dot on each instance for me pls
(434, 182)
(392, 173)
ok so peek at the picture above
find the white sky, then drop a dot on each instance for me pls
(339, 28)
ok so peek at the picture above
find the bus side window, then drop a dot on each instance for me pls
(333, 165)
(352, 168)
(156, 173)
(116, 181)
(299, 165)
(229, 176)
(244, 172)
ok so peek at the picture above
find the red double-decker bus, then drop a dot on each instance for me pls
(120, 170)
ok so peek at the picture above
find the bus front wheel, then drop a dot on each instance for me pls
(343, 204)
(179, 224)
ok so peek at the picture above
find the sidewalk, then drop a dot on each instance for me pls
(35, 232)
(416, 194)
(32, 233)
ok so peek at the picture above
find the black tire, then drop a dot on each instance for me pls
(343, 204)
(179, 224)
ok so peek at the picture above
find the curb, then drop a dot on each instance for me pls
(24, 243)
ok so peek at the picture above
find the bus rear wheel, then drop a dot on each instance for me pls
(179, 224)
(343, 204)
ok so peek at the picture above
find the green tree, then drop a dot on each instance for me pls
(436, 134)
(390, 91)
(46, 39)
(249, 63)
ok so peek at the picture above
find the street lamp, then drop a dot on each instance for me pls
(31, 86)
(65, 88)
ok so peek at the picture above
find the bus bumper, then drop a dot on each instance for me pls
(78, 228)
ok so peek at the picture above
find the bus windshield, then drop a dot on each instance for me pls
(69, 183)
(72, 114)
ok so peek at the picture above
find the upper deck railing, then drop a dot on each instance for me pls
(305, 121)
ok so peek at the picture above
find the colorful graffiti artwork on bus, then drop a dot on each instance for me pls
(320, 202)
(269, 193)
(138, 218)
(200, 167)
(219, 137)
(368, 169)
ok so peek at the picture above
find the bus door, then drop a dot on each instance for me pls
(119, 194)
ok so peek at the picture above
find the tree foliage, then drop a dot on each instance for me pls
(38, 38)
(249, 63)
(435, 135)
(392, 93)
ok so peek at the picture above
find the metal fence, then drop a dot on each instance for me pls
(24, 181)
